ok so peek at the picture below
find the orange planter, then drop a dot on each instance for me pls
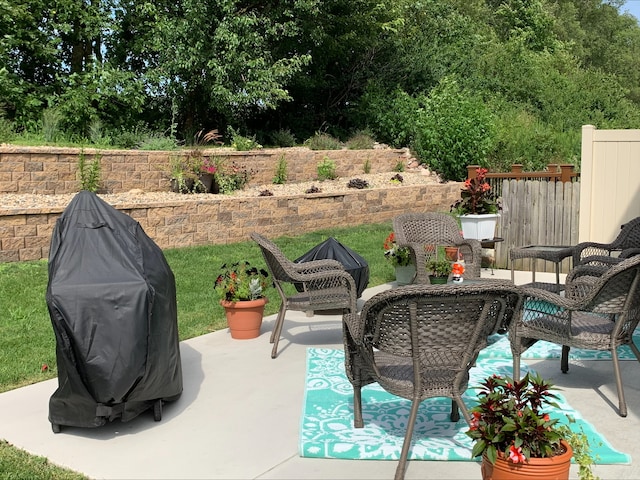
(244, 318)
(551, 468)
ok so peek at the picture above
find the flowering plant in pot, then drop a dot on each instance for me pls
(397, 256)
(241, 287)
(513, 432)
(477, 208)
(439, 270)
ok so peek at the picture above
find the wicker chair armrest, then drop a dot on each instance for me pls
(595, 248)
(629, 252)
(590, 269)
(550, 297)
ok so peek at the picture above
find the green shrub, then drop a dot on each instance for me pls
(455, 129)
(242, 143)
(230, 176)
(361, 141)
(399, 166)
(366, 168)
(323, 141)
(51, 119)
(7, 132)
(283, 138)
(280, 177)
(157, 142)
(327, 169)
(89, 173)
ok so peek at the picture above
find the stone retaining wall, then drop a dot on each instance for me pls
(49, 170)
(219, 219)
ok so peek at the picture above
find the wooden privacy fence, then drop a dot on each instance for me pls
(537, 212)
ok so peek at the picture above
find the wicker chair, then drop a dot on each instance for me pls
(417, 230)
(602, 319)
(325, 285)
(626, 244)
(420, 341)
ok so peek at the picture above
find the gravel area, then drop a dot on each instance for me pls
(375, 180)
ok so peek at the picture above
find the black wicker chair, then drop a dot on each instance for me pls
(420, 341)
(324, 285)
(602, 317)
(417, 230)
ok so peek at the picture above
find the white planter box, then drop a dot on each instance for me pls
(480, 227)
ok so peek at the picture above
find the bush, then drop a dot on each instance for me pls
(283, 138)
(89, 173)
(327, 169)
(361, 141)
(242, 143)
(455, 129)
(323, 141)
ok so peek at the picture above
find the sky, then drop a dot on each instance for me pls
(633, 7)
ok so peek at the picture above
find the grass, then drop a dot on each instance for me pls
(27, 342)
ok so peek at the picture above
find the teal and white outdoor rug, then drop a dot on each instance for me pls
(327, 422)
(499, 348)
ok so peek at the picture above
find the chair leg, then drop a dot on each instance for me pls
(279, 319)
(463, 408)
(275, 335)
(402, 464)
(564, 361)
(357, 407)
(516, 365)
(455, 413)
(622, 404)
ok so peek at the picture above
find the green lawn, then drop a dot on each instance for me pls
(27, 343)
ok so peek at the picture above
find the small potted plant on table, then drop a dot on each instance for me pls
(241, 287)
(440, 270)
(400, 258)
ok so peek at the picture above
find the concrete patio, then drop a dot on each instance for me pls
(239, 415)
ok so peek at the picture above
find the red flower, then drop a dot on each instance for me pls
(515, 454)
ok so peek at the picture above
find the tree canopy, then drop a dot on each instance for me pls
(499, 81)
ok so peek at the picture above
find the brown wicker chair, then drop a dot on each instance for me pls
(625, 245)
(602, 318)
(420, 341)
(417, 230)
(325, 285)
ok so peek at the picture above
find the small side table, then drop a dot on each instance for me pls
(551, 253)
(490, 243)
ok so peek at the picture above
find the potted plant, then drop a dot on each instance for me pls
(440, 270)
(400, 258)
(241, 287)
(477, 208)
(516, 437)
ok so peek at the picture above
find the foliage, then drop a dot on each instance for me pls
(399, 166)
(242, 143)
(89, 173)
(283, 138)
(439, 268)
(453, 130)
(361, 140)
(230, 176)
(366, 168)
(358, 183)
(323, 141)
(183, 172)
(240, 281)
(509, 419)
(17, 463)
(476, 196)
(397, 256)
(326, 169)
(51, 119)
(280, 177)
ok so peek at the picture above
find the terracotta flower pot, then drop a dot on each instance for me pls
(451, 253)
(551, 468)
(245, 317)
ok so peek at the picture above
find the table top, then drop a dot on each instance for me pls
(553, 253)
(490, 242)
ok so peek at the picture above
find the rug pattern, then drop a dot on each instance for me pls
(327, 421)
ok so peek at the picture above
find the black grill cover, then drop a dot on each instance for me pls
(112, 302)
(334, 250)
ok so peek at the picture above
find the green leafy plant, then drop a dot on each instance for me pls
(366, 168)
(509, 418)
(283, 138)
(242, 143)
(231, 176)
(439, 268)
(51, 120)
(361, 140)
(240, 281)
(399, 166)
(323, 141)
(280, 177)
(89, 172)
(397, 256)
(327, 169)
(476, 197)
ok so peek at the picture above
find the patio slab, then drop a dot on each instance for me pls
(239, 415)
